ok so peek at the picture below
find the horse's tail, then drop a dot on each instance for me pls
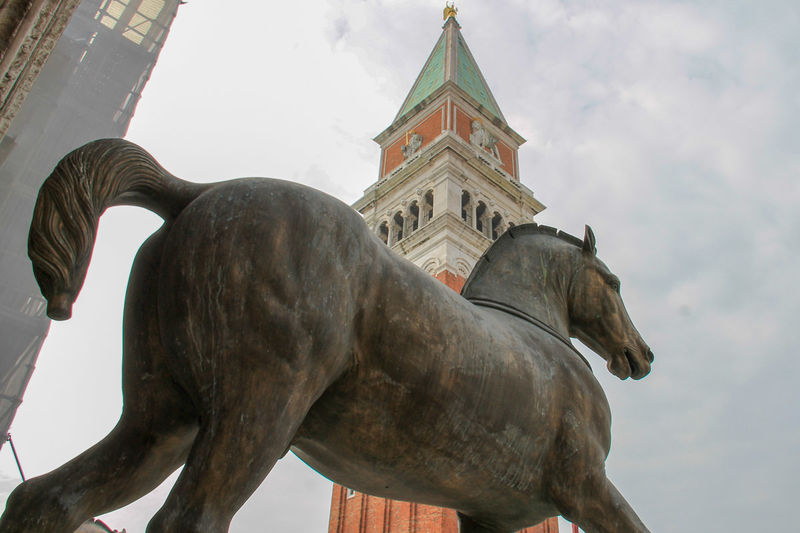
(88, 180)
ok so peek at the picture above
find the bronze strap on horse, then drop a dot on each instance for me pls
(484, 302)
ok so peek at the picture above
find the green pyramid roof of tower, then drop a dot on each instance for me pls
(451, 60)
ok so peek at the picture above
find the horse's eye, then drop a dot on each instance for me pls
(614, 284)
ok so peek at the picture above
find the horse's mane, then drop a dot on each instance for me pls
(505, 240)
(534, 228)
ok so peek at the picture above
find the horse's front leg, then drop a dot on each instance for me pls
(469, 525)
(621, 516)
(605, 511)
(589, 499)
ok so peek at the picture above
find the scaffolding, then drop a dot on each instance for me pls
(88, 89)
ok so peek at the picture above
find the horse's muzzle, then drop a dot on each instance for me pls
(639, 361)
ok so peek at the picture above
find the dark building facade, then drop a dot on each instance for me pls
(88, 89)
(29, 29)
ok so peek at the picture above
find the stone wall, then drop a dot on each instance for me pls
(29, 30)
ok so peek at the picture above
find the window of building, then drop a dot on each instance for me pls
(412, 218)
(427, 208)
(497, 226)
(482, 221)
(383, 232)
(139, 21)
(397, 228)
(466, 207)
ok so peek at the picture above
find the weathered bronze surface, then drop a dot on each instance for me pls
(265, 316)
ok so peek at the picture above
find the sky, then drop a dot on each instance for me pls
(670, 127)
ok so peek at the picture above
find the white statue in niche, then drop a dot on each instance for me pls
(483, 139)
(413, 142)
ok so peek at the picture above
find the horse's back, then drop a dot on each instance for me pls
(257, 273)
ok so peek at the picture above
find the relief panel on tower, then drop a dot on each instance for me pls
(428, 129)
(466, 128)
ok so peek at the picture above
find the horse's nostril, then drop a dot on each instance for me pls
(632, 363)
(628, 353)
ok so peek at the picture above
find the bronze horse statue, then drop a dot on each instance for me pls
(265, 316)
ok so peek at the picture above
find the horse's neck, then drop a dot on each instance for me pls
(531, 283)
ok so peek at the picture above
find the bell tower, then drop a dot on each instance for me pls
(448, 180)
(448, 185)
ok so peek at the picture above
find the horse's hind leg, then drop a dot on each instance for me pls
(151, 439)
(233, 453)
(125, 465)
(240, 440)
(258, 385)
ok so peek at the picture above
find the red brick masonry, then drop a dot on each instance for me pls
(361, 513)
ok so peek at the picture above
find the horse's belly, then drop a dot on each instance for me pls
(402, 442)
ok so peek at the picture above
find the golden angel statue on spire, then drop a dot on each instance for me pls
(450, 10)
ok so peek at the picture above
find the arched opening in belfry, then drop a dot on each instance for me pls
(412, 218)
(383, 232)
(483, 222)
(466, 208)
(497, 226)
(397, 227)
(427, 208)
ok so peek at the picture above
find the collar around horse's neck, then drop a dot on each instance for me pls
(511, 310)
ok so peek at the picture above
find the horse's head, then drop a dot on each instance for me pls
(558, 280)
(598, 317)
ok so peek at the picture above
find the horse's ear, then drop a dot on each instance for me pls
(589, 242)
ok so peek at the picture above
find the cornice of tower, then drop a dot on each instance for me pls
(448, 88)
(472, 165)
